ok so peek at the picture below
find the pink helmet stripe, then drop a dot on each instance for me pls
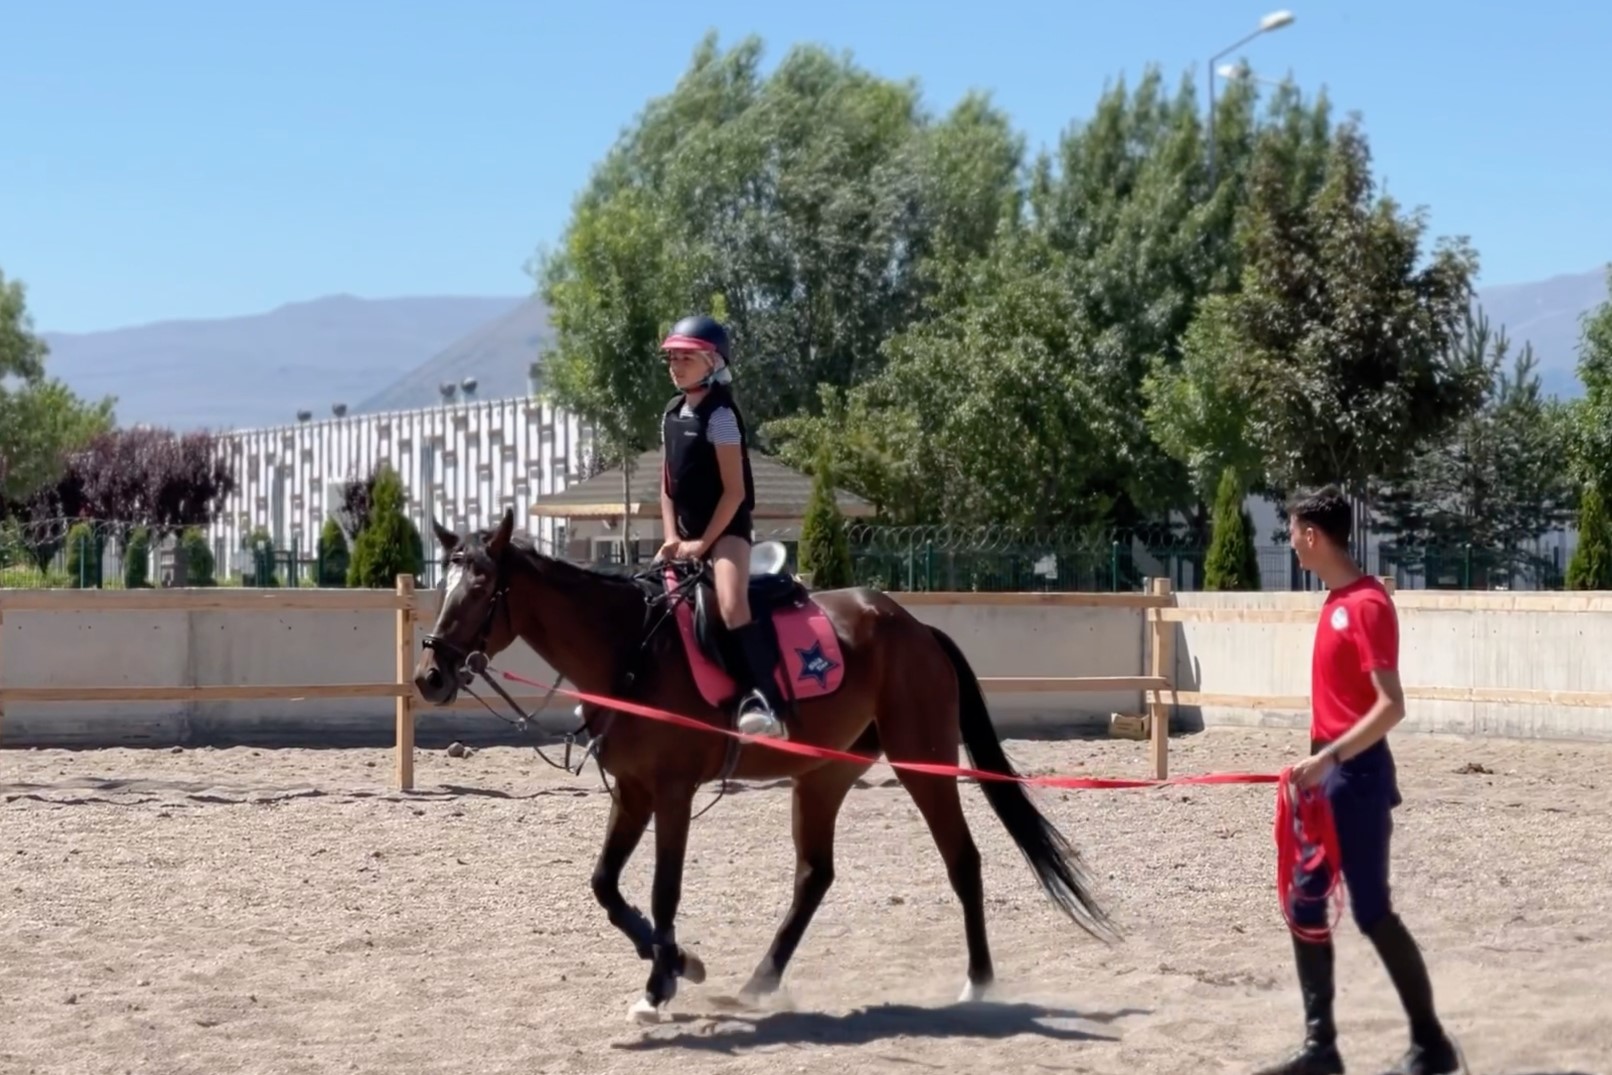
(687, 343)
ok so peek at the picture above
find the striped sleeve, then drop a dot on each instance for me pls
(722, 427)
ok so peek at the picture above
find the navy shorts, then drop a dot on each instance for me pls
(1363, 793)
(742, 525)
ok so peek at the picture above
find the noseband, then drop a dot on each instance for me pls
(460, 657)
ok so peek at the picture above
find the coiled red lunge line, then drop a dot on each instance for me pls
(1306, 852)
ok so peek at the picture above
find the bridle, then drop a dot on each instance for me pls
(470, 663)
(459, 656)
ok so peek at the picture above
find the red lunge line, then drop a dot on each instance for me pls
(1305, 837)
(932, 768)
(1306, 844)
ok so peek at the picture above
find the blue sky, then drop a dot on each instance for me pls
(173, 160)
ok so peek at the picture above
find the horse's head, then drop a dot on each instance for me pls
(474, 617)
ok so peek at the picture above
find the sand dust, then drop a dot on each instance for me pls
(257, 911)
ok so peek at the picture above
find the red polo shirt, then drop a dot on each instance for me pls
(1358, 633)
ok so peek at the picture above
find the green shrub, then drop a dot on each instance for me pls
(197, 557)
(825, 550)
(390, 545)
(85, 549)
(260, 571)
(137, 559)
(1591, 565)
(334, 558)
(1233, 562)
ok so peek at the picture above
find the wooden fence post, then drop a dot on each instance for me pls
(1161, 665)
(405, 682)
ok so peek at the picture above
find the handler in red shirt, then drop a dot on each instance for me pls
(1355, 699)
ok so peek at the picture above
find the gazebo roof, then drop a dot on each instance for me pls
(781, 493)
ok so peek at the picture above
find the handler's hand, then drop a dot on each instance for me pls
(1312, 770)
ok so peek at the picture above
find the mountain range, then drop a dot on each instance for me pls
(394, 354)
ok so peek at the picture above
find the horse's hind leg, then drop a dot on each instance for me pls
(917, 726)
(818, 797)
(937, 799)
(629, 817)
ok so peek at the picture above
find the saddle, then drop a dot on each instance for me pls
(768, 593)
(806, 651)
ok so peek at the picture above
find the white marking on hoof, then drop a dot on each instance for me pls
(643, 1010)
(973, 993)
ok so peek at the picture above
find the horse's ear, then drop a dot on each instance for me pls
(506, 527)
(445, 537)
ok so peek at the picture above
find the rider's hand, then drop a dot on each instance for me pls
(667, 551)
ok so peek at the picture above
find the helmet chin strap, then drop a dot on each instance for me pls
(720, 375)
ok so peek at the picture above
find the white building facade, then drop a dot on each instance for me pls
(462, 463)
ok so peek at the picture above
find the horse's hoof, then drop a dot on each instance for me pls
(758, 991)
(643, 1010)
(693, 969)
(772, 998)
(974, 992)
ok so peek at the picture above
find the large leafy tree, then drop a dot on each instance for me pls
(1590, 436)
(1336, 352)
(1018, 397)
(41, 420)
(1591, 417)
(818, 202)
(149, 476)
(1470, 505)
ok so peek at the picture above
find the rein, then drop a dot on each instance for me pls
(473, 664)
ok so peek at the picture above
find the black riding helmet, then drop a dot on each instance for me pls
(700, 333)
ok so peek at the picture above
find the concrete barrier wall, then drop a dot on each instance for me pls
(1487, 657)
(1516, 665)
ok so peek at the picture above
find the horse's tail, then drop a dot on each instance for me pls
(1057, 865)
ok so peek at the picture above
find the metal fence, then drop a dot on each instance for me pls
(108, 555)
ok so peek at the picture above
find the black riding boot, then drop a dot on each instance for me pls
(1319, 1054)
(761, 711)
(1431, 1051)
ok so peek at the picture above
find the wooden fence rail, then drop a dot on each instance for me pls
(404, 603)
(1160, 617)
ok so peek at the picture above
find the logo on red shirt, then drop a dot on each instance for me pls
(1358, 634)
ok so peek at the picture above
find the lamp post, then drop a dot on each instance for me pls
(1276, 20)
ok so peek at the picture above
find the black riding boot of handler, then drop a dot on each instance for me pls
(759, 710)
(1319, 1054)
(1431, 1051)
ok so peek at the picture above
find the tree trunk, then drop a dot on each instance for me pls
(629, 553)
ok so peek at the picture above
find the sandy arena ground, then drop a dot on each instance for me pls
(239, 910)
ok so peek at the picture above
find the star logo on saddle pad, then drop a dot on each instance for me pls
(814, 665)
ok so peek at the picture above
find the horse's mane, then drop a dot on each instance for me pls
(564, 573)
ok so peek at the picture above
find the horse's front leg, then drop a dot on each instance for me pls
(673, 806)
(629, 816)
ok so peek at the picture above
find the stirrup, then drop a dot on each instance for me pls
(757, 718)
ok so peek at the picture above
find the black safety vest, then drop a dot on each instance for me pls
(693, 476)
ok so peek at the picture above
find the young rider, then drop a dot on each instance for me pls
(707, 495)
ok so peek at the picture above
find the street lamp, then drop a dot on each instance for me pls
(1276, 20)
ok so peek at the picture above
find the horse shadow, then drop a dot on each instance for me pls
(730, 1033)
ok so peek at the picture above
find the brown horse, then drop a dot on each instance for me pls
(907, 690)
